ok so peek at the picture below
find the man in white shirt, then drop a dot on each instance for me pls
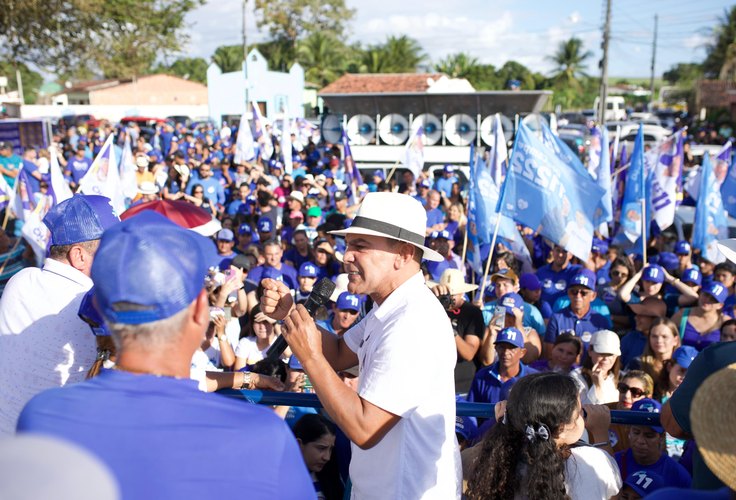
(43, 343)
(402, 419)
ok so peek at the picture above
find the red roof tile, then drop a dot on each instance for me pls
(377, 83)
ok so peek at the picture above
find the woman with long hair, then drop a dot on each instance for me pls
(634, 386)
(598, 377)
(316, 437)
(532, 453)
(661, 344)
(700, 326)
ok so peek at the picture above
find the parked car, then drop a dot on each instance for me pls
(577, 139)
(142, 121)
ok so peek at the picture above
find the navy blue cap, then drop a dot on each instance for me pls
(512, 299)
(441, 234)
(511, 336)
(529, 281)
(584, 277)
(692, 276)
(466, 427)
(294, 363)
(152, 264)
(717, 290)
(348, 301)
(682, 247)
(668, 260)
(651, 406)
(80, 218)
(684, 355)
(265, 225)
(599, 246)
(89, 314)
(380, 174)
(245, 229)
(644, 482)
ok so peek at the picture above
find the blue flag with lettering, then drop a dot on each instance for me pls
(599, 167)
(728, 189)
(634, 192)
(711, 223)
(543, 192)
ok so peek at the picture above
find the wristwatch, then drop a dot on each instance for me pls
(247, 381)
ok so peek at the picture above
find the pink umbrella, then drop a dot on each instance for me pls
(180, 212)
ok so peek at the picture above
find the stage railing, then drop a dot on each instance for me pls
(483, 410)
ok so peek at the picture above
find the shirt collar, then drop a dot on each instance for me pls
(67, 271)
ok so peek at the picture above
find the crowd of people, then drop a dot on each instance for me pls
(554, 342)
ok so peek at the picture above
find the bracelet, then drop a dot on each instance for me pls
(247, 381)
(221, 337)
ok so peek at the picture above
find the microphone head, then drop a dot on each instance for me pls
(322, 291)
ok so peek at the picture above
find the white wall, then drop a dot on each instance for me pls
(111, 112)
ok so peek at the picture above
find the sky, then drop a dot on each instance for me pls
(495, 31)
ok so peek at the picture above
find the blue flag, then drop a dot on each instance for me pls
(600, 168)
(710, 223)
(634, 192)
(543, 192)
(353, 179)
(728, 190)
(474, 256)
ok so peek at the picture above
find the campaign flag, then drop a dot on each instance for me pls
(634, 192)
(474, 255)
(600, 169)
(560, 149)
(721, 161)
(24, 199)
(414, 153)
(543, 192)
(614, 148)
(103, 177)
(7, 194)
(286, 142)
(35, 231)
(244, 146)
(353, 179)
(58, 187)
(728, 190)
(665, 168)
(128, 178)
(499, 154)
(710, 223)
(260, 134)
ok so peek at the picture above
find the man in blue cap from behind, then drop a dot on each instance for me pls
(146, 419)
(43, 343)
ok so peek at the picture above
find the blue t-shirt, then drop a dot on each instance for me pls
(566, 321)
(673, 473)
(153, 433)
(79, 167)
(487, 386)
(212, 189)
(554, 283)
(445, 185)
(434, 217)
(690, 494)
(632, 346)
(288, 272)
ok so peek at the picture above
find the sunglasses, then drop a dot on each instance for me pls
(635, 391)
(619, 274)
(578, 291)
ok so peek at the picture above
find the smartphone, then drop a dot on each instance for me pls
(499, 317)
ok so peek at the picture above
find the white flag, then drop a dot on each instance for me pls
(128, 179)
(103, 177)
(244, 146)
(59, 185)
(414, 153)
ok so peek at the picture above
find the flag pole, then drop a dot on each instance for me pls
(465, 241)
(490, 251)
(391, 173)
(644, 231)
(7, 209)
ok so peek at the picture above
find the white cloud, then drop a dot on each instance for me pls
(696, 41)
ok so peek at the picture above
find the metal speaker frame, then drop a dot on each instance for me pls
(393, 129)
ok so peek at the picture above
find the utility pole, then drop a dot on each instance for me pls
(245, 55)
(654, 57)
(604, 66)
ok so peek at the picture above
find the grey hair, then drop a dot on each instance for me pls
(149, 336)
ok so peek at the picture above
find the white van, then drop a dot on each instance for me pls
(615, 107)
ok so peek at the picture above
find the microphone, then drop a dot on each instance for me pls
(319, 296)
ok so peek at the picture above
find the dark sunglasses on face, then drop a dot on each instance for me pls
(578, 291)
(619, 274)
(635, 391)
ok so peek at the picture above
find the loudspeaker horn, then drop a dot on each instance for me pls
(460, 129)
(331, 129)
(487, 129)
(393, 129)
(361, 129)
(432, 128)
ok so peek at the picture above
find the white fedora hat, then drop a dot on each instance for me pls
(395, 216)
(728, 248)
(454, 280)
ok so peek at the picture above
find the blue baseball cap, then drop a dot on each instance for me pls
(682, 247)
(466, 427)
(692, 276)
(584, 277)
(150, 263)
(599, 246)
(328, 174)
(80, 218)
(272, 273)
(529, 281)
(307, 270)
(265, 225)
(225, 235)
(653, 273)
(644, 482)
(245, 229)
(295, 364)
(425, 184)
(441, 234)
(512, 299)
(511, 336)
(348, 301)
(380, 174)
(651, 406)
(717, 290)
(668, 260)
(90, 315)
(684, 355)
(448, 169)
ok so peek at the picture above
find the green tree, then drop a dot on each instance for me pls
(683, 74)
(404, 54)
(570, 61)
(724, 35)
(460, 65)
(322, 57)
(190, 68)
(30, 80)
(291, 20)
(116, 39)
(278, 53)
(229, 58)
(512, 70)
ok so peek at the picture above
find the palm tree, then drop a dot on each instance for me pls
(404, 54)
(719, 51)
(570, 61)
(374, 59)
(229, 58)
(322, 57)
(460, 65)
